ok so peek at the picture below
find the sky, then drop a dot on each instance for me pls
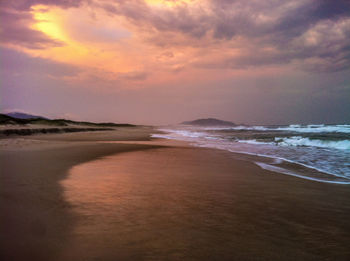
(167, 61)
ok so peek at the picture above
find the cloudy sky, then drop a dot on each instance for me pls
(166, 61)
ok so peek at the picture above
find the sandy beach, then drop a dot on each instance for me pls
(160, 201)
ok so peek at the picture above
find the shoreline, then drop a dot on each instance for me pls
(280, 165)
(284, 166)
(36, 220)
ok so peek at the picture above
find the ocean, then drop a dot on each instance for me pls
(315, 152)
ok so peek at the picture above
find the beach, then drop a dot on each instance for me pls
(159, 200)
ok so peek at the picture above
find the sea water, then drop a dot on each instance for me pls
(308, 148)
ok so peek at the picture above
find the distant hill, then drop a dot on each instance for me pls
(5, 119)
(21, 115)
(209, 122)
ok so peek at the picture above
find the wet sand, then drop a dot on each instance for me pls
(35, 220)
(160, 202)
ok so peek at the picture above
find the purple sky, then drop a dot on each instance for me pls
(166, 61)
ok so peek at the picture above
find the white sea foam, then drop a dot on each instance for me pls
(312, 128)
(258, 128)
(185, 133)
(301, 141)
(256, 142)
(316, 128)
(292, 173)
(201, 140)
(163, 136)
(331, 159)
(181, 134)
(279, 160)
(281, 141)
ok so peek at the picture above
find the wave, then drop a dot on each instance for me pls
(316, 128)
(306, 142)
(296, 149)
(329, 177)
(295, 141)
(180, 134)
(311, 128)
(239, 128)
(269, 167)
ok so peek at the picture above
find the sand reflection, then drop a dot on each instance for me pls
(193, 204)
(133, 205)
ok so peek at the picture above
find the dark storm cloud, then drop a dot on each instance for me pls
(289, 32)
(177, 19)
(292, 17)
(313, 33)
(330, 9)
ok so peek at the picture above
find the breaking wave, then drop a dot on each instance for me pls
(324, 148)
(311, 128)
(307, 142)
